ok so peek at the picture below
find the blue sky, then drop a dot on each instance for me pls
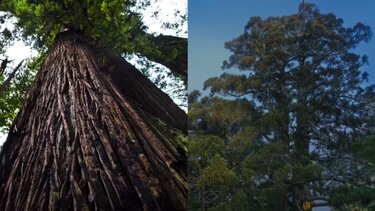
(213, 22)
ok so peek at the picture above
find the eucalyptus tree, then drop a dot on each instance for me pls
(304, 80)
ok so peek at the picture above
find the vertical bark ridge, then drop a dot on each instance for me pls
(85, 141)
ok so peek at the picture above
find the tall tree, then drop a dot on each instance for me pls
(218, 141)
(304, 82)
(15, 77)
(94, 133)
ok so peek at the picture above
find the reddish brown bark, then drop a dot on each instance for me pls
(145, 94)
(93, 137)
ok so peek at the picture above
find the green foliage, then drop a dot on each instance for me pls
(365, 149)
(213, 173)
(112, 23)
(6, 36)
(360, 192)
(193, 96)
(240, 202)
(213, 116)
(216, 174)
(204, 147)
(14, 95)
(115, 25)
(345, 196)
(295, 132)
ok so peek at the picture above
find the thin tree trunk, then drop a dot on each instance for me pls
(7, 81)
(301, 136)
(80, 142)
(282, 199)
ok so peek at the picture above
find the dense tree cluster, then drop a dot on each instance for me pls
(294, 126)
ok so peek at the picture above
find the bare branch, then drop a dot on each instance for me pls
(10, 77)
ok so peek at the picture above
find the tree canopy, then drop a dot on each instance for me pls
(114, 25)
(303, 96)
(93, 132)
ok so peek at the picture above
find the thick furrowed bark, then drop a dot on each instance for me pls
(80, 143)
(144, 93)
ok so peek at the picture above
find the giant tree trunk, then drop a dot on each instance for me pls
(85, 139)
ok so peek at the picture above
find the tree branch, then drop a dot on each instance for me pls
(10, 77)
(173, 53)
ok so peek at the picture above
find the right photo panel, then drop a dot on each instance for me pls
(281, 105)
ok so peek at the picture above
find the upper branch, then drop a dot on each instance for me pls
(10, 77)
(172, 53)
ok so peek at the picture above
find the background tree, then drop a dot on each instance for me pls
(16, 78)
(304, 89)
(94, 133)
(216, 151)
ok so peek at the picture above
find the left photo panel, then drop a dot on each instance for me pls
(93, 105)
